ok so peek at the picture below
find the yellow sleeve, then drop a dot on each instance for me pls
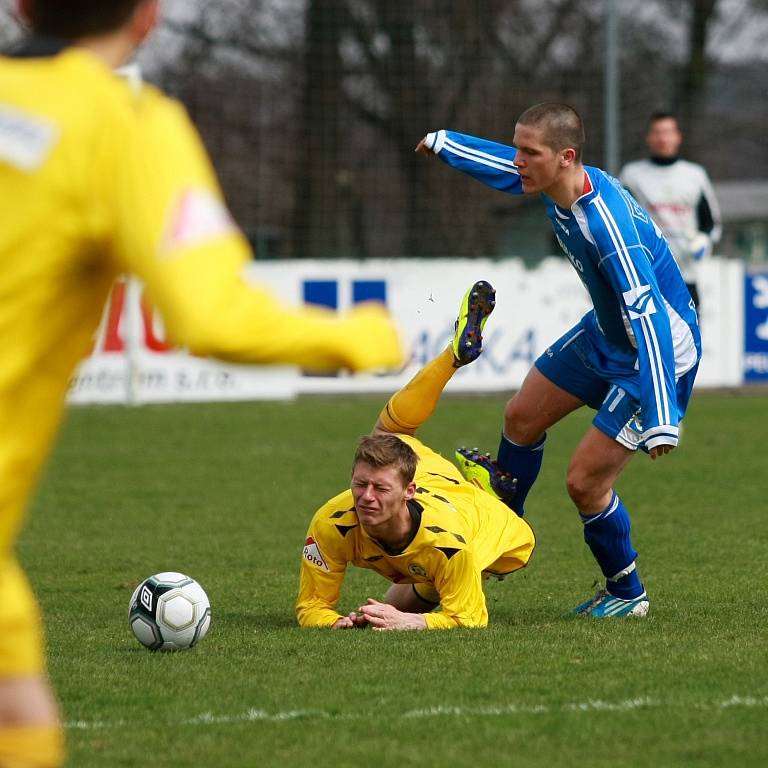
(174, 232)
(462, 601)
(322, 573)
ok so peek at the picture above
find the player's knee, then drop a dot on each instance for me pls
(27, 702)
(405, 598)
(581, 487)
(519, 425)
(400, 596)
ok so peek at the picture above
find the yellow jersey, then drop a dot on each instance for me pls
(97, 179)
(459, 533)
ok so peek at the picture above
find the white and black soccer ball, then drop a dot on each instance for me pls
(169, 612)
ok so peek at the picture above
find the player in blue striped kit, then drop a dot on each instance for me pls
(633, 358)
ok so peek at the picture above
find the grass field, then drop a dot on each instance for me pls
(225, 492)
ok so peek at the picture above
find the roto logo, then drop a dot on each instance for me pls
(313, 555)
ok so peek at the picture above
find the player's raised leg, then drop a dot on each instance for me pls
(411, 406)
(593, 470)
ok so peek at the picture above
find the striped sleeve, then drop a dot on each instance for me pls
(488, 162)
(626, 263)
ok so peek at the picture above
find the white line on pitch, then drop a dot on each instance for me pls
(495, 710)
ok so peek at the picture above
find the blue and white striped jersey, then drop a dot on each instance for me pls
(643, 328)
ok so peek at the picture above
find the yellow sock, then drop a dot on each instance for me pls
(31, 747)
(409, 408)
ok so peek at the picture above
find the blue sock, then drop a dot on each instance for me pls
(522, 462)
(607, 535)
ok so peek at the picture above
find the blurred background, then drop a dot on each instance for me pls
(311, 110)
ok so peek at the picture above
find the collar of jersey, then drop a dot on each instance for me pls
(664, 160)
(415, 510)
(587, 189)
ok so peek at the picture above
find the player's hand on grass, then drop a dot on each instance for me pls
(660, 450)
(383, 616)
(359, 620)
(352, 621)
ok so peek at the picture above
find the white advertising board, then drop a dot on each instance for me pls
(132, 362)
(721, 314)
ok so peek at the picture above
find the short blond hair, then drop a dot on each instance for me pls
(387, 450)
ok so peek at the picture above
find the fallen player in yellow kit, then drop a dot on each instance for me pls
(412, 517)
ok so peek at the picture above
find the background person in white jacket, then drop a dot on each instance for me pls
(678, 194)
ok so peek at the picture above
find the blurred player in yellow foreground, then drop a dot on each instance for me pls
(412, 517)
(97, 179)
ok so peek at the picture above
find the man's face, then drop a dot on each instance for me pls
(539, 165)
(664, 138)
(379, 493)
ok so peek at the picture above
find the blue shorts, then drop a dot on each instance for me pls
(567, 364)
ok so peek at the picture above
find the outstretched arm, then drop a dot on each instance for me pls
(487, 161)
(168, 224)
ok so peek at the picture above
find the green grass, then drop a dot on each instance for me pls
(225, 492)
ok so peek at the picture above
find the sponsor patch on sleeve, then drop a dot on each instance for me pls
(25, 140)
(197, 217)
(639, 302)
(313, 554)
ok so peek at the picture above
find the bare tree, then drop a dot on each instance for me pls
(320, 183)
(697, 67)
(311, 108)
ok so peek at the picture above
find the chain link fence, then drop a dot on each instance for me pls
(311, 108)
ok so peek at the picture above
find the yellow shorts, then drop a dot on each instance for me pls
(21, 635)
(510, 561)
(513, 559)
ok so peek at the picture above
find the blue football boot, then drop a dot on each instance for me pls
(604, 604)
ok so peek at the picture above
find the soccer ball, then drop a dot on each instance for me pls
(169, 611)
